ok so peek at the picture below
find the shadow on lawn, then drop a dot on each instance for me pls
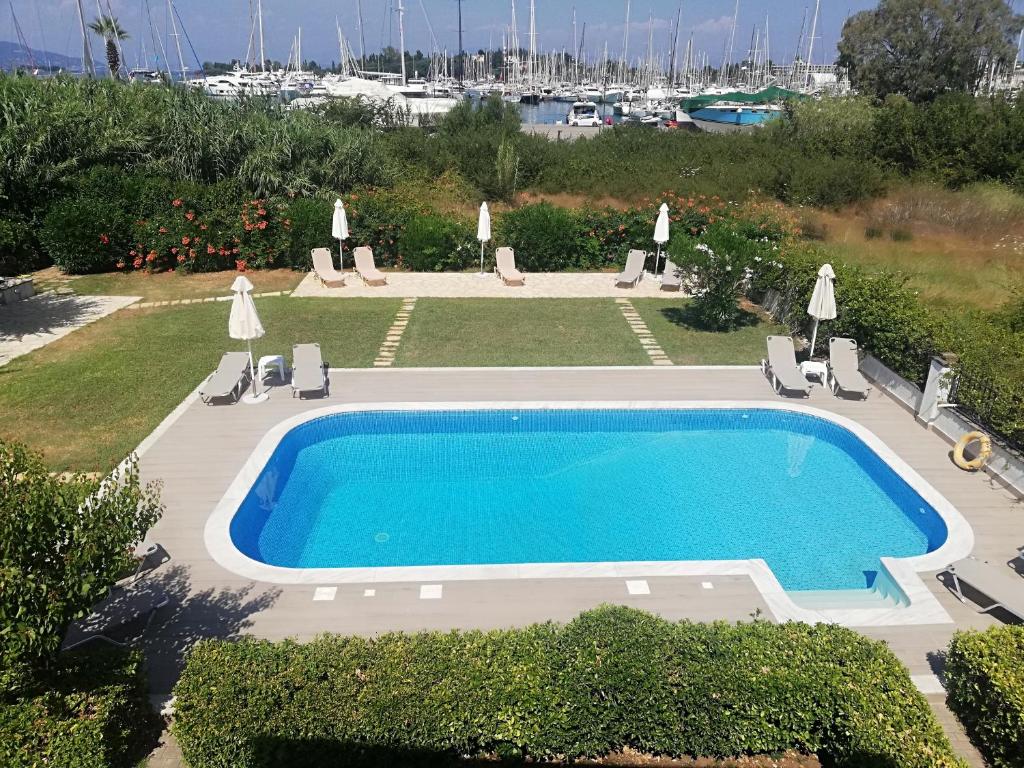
(686, 317)
(167, 634)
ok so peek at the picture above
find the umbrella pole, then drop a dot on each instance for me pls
(252, 368)
(481, 257)
(657, 260)
(814, 336)
(341, 255)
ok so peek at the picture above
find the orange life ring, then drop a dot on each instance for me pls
(984, 451)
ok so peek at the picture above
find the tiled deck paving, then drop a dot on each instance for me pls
(199, 455)
(452, 285)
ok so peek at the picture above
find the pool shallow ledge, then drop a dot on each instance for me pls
(921, 605)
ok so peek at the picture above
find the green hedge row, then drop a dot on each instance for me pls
(612, 679)
(90, 711)
(985, 680)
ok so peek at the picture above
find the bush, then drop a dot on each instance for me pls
(85, 235)
(56, 562)
(546, 238)
(985, 679)
(310, 227)
(613, 679)
(717, 269)
(432, 243)
(90, 711)
(18, 250)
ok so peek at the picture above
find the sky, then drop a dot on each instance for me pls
(219, 29)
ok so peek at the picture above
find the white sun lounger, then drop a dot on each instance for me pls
(1004, 587)
(228, 380)
(634, 269)
(309, 374)
(505, 267)
(844, 368)
(670, 280)
(781, 367)
(323, 268)
(366, 268)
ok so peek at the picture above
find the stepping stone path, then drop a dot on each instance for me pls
(647, 340)
(206, 300)
(388, 349)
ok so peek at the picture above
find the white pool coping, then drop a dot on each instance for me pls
(922, 608)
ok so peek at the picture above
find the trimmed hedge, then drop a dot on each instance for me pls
(985, 679)
(614, 678)
(91, 711)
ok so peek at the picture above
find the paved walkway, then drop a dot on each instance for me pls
(33, 323)
(457, 285)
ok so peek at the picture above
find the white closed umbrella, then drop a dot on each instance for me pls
(244, 324)
(339, 230)
(823, 300)
(660, 234)
(483, 231)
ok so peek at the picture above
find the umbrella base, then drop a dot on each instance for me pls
(254, 399)
(483, 274)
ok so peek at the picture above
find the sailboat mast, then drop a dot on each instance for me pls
(810, 44)
(177, 39)
(263, 55)
(87, 63)
(625, 47)
(576, 45)
(462, 54)
(675, 46)
(727, 59)
(531, 63)
(401, 39)
(362, 37)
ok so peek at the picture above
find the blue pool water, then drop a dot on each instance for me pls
(545, 486)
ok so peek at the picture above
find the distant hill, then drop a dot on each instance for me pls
(12, 55)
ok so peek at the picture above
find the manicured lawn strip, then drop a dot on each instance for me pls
(88, 399)
(503, 332)
(167, 286)
(686, 344)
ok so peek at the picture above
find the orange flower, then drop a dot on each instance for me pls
(185, 241)
(181, 258)
(138, 262)
(120, 264)
(176, 202)
(211, 250)
(262, 212)
(105, 239)
(240, 265)
(190, 215)
(162, 230)
(262, 225)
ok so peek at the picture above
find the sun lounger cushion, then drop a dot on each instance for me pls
(505, 259)
(634, 269)
(844, 367)
(671, 281)
(308, 374)
(782, 368)
(997, 582)
(323, 266)
(227, 381)
(366, 267)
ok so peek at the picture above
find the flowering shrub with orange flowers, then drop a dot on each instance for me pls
(250, 236)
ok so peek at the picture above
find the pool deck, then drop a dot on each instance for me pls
(200, 449)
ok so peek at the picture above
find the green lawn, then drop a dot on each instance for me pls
(88, 399)
(685, 344)
(503, 332)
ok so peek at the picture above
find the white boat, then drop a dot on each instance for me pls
(583, 114)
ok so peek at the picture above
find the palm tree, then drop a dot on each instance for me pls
(110, 29)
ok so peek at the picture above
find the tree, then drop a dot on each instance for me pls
(923, 48)
(109, 28)
(63, 543)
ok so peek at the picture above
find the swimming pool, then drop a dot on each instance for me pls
(394, 490)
